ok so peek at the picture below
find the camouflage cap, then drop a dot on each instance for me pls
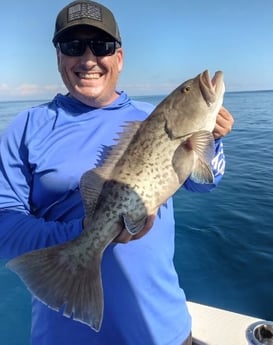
(87, 13)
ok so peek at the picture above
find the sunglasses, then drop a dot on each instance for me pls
(98, 48)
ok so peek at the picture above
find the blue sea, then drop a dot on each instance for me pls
(224, 239)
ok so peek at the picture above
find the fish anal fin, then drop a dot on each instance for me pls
(56, 280)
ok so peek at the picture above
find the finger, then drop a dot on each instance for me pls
(223, 112)
(123, 237)
(221, 130)
(218, 132)
(226, 117)
(224, 123)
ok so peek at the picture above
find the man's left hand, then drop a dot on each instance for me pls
(224, 123)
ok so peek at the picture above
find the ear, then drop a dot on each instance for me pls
(58, 54)
(120, 58)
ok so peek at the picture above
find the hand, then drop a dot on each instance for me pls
(125, 237)
(224, 123)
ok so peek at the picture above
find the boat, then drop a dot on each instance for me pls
(215, 326)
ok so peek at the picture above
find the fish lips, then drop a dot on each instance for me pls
(211, 89)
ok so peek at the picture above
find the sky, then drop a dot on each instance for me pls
(165, 43)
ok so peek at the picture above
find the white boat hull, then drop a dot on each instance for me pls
(213, 326)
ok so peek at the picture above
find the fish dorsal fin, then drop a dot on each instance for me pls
(202, 143)
(123, 141)
(92, 181)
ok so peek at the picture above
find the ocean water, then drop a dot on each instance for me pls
(224, 239)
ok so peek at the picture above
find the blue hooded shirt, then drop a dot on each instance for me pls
(43, 154)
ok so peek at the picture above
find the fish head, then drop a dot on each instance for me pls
(194, 105)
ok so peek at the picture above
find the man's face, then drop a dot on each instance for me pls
(90, 79)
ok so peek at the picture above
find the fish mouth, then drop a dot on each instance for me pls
(211, 89)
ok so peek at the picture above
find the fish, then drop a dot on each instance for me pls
(149, 163)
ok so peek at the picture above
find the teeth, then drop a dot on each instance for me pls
(89, 75)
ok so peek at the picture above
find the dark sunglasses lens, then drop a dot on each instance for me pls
(102, 48)
(73, 48)
(78, 47)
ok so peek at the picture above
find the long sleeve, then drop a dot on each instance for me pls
(21, 233)
(20, 229)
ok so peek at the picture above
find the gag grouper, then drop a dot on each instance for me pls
(150, 162)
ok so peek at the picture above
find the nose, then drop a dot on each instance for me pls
(88, 56)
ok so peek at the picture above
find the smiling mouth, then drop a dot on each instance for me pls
(92, 76)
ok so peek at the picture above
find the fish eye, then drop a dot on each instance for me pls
(186, 89)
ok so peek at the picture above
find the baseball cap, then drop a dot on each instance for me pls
(86, 13)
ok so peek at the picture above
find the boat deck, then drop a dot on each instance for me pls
(213, 326)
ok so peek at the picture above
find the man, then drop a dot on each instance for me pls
(45, 151)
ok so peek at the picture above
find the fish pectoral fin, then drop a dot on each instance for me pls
(61, 282)
(91, 184)
(202, 143)
(202, 172)
(193, 156)
(133, 226)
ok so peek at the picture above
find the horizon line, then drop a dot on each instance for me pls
(131, 96)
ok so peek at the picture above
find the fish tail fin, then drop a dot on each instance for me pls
(62, 282)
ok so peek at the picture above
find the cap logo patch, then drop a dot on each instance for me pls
(84, 11)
